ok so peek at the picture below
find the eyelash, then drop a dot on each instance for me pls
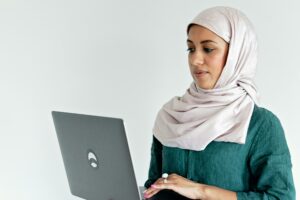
(206, 50)
(190, 50)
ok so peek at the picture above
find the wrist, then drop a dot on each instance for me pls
(202, 192)
(208, 192)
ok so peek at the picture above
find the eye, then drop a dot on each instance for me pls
(191, 50)
(207, 50)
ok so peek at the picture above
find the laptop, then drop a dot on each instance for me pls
(97, 159)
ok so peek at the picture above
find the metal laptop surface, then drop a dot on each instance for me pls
(96, 156)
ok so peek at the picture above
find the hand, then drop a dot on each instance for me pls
(176, 183)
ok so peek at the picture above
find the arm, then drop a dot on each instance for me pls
(178, 183)
(155, 169)
(270, 164)
(209, 192)
(190, 189)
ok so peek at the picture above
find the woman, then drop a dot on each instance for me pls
(214, 142)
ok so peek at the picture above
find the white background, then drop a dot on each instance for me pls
(121, 59)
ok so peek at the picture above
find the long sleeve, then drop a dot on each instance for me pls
(155, 169)
(270, 164)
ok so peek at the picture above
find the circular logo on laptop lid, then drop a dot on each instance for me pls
(92, 159)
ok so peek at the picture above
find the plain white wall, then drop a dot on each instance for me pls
(117, 58)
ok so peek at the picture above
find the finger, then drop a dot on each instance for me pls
(150, 189)
(162, 186)
(152, 194)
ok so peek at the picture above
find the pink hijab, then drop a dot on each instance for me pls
(223, 113)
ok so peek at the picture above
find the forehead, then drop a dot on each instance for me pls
(197, 32)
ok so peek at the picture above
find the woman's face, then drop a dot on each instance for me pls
(207, 56)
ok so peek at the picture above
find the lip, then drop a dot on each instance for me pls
(200, 73)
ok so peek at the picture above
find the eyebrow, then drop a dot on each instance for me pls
(202, 42)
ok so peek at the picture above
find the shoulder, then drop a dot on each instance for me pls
(264, 118)
(268, 129)
(261, 112)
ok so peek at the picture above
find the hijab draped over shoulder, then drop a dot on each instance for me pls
(223, 113)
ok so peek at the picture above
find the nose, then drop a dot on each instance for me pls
(197, 58)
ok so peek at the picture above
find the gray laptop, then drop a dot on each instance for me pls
(97, 158)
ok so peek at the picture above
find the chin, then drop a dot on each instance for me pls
(204, 86)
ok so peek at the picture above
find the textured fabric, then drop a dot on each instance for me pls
(222, 113)
(260, 169)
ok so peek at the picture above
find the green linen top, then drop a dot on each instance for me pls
(258, 169)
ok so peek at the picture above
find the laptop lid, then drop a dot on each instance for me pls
(96, 156)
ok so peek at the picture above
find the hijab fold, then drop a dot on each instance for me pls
(223, 113)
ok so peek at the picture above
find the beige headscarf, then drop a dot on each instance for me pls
(223, 113)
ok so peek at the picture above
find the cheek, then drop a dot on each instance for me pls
(216, 64)
(189, 59)
(190, 62)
